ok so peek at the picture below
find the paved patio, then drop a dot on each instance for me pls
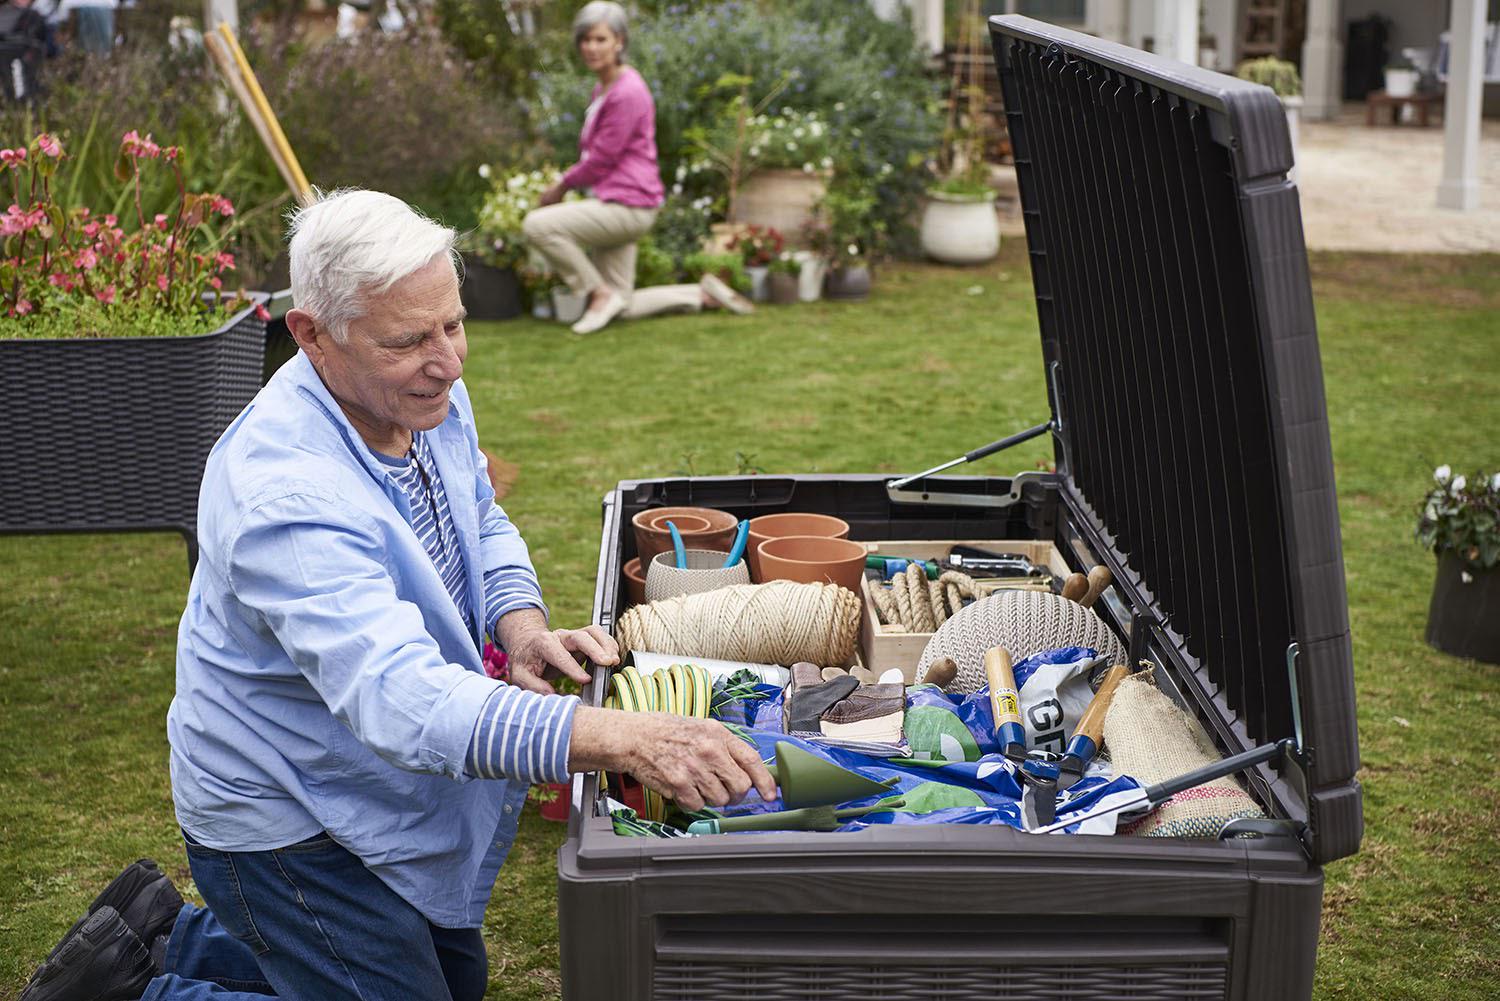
(1376, 188)
(1367, 188)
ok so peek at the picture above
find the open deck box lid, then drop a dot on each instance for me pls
(1186, 388)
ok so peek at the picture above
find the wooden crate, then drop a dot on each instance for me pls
(883, 647)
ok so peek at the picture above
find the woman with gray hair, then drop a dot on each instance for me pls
(592, 242)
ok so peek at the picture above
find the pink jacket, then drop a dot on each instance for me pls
(617, 150)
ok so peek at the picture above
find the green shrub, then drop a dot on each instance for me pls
(653, 265)
(864, 77)
(682, 226)
(729, 267)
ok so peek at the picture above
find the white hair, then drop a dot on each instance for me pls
(350, 243)
(607, 13)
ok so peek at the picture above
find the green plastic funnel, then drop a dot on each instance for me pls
(808, 780)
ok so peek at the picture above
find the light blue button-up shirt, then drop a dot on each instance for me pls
(326, 680)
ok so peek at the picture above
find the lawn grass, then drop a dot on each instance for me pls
(937, 362)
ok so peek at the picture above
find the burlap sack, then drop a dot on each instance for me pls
(1150, 739)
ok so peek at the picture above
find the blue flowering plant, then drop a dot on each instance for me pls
(1461, 515)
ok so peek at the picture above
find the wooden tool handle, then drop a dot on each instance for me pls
(1092, 723)
(1004, 699)
(941, 672)
(1075, 587)
(1099, 578)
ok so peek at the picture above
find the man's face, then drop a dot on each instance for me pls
(401, 358)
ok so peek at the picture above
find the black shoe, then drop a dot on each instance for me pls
(100, 960)
(145, 898)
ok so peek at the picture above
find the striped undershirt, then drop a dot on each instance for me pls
(520, 735)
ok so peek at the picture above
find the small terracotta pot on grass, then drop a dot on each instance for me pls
(775, 526)
(810, 559)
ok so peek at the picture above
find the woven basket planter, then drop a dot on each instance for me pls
(113, 432)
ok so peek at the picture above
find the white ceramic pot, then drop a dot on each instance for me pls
(779, 198)
(960, 229)
(757, 277)
(810, 278)
(567, 305)
(1401, 83)
(1293, 106)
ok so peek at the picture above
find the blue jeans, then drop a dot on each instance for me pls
(309, 921)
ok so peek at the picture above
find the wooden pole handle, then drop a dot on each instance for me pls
(1099, 578)
(1005, 701)
(1091, 725)
(300, 188)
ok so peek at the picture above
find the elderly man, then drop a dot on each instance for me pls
(333, 725)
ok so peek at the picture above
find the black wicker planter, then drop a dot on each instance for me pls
(111, 434)
(1464, 618)
(490, 293)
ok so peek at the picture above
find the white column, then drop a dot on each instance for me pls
(1177, 30)
(216, 11)
(928, 15)
(1322, 61)
(1461, 107)
(1106, 18)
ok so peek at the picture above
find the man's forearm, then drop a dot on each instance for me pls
(595, 742)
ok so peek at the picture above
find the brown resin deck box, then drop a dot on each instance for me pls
(1193, 460)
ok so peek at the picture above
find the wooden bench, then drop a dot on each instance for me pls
(1421, 101)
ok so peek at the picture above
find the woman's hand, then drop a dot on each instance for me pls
(552, 195)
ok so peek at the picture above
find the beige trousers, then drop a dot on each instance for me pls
(592, 243)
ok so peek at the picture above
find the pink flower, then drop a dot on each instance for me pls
(49, 145)
(224, 261)
(107, 296)
(161, 282)
(86, 260)
(23, 306)
(111, 220)
(172, 152)
(215, 282)
(90, 229)
(134, 145)
(262, 313)
(161, 221)
(223, 205)
(12, 157)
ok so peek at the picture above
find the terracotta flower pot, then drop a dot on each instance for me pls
(782, 288)
(1464, 617)
(775, 526)
(705, 572)
(780, 198)
(652, 537)
(809, 559)
(635, 582)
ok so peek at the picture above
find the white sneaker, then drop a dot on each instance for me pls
(598, 319)
(725, 296)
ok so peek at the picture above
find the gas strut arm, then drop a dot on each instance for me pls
(978, 453)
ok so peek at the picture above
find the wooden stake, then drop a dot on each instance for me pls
(230, 72)
(300, 187)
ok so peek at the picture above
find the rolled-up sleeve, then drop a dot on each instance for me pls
(310, 570)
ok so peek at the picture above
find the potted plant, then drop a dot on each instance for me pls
(728, 267)
(782, 279)
(959, 225)
(850, 236)
(120, 339)
(758, 246)
(494, 253)
(1282, 77)
(784, 167)
(1460, 522)
(1401, 77)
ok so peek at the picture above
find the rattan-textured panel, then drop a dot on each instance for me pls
(1050, 982)
(112, 434)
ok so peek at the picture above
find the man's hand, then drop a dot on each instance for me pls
(552, 195)
(537, 653)
(694, 762)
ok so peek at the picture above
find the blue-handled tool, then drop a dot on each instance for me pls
(677, 546)
(737, 551)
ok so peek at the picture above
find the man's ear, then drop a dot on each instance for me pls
(308, 335)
